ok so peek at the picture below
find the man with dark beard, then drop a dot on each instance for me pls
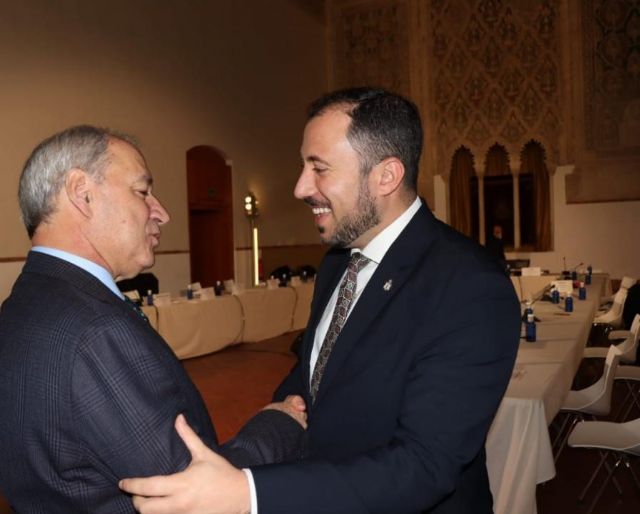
(409, 347)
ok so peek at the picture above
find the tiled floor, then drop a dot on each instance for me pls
(236, 382)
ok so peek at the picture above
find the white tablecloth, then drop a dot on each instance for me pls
(197, 327)
(200, 326)
(266, 312)
(519, 454)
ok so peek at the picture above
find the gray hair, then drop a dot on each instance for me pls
(82, 147)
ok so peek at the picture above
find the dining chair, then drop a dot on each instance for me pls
(620, 440)
(626, 283)
(613, 316)
(630, 376)
(628, 347)
(590, 402)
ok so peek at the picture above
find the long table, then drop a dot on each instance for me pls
(519, 454)
(200, 326)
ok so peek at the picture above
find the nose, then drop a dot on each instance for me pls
(158, 212)
(306, 185)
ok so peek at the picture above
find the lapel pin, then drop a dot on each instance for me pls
(387, 285)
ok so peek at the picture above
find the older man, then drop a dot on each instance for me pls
(409, 348)
(88, 390)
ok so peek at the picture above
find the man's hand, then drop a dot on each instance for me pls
(294, 406)
(209, 485)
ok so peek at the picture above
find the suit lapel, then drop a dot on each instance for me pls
(388, 280)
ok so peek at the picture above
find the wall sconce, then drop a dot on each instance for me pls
(251, 206)
(251, 210)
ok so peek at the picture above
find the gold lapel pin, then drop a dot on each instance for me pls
(387, 285)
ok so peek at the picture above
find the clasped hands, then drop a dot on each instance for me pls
(209, 485)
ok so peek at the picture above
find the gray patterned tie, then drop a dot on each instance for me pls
(346, 294)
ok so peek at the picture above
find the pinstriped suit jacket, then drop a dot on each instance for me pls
(89, 393)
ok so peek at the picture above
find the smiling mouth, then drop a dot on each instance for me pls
(317, 211)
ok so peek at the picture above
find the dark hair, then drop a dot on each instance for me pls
(84, 147)
(383, 124)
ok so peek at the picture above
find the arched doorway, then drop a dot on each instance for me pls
(210, 215)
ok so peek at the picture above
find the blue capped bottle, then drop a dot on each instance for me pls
(582, 292)
(568, 303)
(528, 309)
(530, 328)
(555, 295)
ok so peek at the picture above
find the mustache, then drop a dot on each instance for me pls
(312, 202)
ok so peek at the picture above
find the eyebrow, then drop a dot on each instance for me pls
(147, 179)
(316, 159)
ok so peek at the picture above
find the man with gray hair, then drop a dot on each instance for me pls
(88, 390)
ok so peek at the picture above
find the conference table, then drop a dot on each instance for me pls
(519, 453)
(204, 325)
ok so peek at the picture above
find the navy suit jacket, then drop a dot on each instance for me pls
(410, 388)
(89, 393)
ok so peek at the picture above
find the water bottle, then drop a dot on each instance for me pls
(303, 276)
(149, 297)
(527, 309)
(217, 289)
(555, 295)
(582, 292)
(189, 292)
(587, 278)
(530, 329)
(568, 303)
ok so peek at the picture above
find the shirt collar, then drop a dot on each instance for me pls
(378, 246)
(90, 267)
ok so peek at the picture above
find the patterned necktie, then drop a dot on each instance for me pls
(346, 293)
(136, 308)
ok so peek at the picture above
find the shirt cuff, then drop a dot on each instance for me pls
(252, 491)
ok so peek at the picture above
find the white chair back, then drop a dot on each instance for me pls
(602, 404)
(627, 282)
(614, 315)
(629, 346)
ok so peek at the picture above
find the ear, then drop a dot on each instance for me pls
(77, 187)
(391, 175)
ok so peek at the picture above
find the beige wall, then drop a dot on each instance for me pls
(236, 75)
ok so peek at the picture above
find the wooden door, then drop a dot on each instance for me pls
(210, 215)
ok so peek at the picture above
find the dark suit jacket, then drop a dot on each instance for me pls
(89, 393)
(411, 387)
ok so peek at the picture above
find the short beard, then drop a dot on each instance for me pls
(354, 224)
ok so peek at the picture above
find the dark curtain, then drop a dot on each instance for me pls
(533, 161)
(460, 190)
(497, 162)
